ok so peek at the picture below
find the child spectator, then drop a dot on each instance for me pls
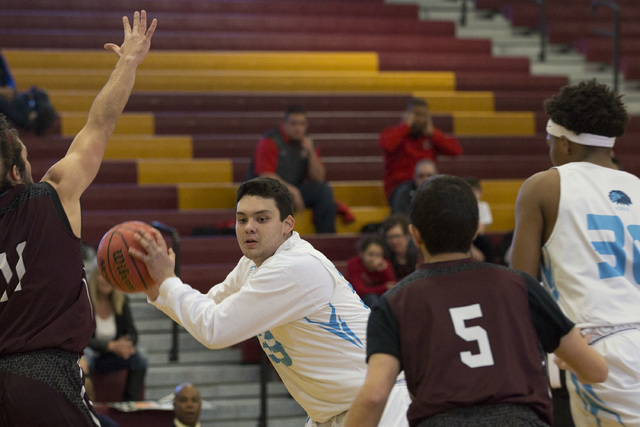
(370, 273)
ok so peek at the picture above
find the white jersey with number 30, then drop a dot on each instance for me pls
(591, 261)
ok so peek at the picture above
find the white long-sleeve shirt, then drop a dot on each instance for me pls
(307, 317)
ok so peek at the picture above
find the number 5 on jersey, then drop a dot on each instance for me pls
(473, 333)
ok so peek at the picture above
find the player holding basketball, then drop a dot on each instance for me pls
(578, 225)
(46, 318)
(467, 334)
(307, 317)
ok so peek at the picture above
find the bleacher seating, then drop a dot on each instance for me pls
(222, 72)
(574, 23)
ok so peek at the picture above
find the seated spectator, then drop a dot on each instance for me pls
(482, 247)
(113, 345)
(370, 274)
(30, 110)
(405, 144)
(186, 406)
(399, 248)
(287, 154)
(424, 170)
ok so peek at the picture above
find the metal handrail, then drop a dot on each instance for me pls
(542, 27)
(264, 372)
(463, 13)
(614, 35)
(175, 239)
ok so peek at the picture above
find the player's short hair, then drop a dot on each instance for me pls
(268, 188)
(588, 107)
(294, 109)
(416, 102)
(394, 220)
(445, 212)
(368, 240)
(10, 149)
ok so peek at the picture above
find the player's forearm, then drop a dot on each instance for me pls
(113, 97)
(581, 359)
(213, 325)
(365, 411)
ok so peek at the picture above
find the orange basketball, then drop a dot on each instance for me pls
(116, 265)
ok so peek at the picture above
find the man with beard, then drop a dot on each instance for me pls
(45, 310)
(405, 144)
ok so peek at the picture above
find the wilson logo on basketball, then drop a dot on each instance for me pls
(123, 271)
(117, 265)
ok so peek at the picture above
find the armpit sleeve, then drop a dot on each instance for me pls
(548, 320)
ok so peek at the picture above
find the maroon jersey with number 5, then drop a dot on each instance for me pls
(469, 334)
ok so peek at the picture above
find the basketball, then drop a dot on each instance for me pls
(116, 265)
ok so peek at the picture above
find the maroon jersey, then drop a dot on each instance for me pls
(44, 300)
(469, 334)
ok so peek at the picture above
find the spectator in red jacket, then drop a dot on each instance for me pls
(289, 155)
(405, 144)
(370, 273)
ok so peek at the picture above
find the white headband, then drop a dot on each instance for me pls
(582, 139)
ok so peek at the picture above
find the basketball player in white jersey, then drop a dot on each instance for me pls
(309, 321)
(578, 229)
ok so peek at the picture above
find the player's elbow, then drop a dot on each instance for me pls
(215, 340)
(597, 374)
(214, 346)
(373, 397)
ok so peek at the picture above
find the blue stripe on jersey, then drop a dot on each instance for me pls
(339, 328)
(547, 271)
(353, 290)
(592, 403)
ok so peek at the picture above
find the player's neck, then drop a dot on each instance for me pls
(450, 256)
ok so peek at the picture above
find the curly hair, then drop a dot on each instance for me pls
(588, 107)
(10, 149)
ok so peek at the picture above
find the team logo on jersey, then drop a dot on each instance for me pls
(619, 197)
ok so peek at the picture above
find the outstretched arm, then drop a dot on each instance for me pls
(75, 172)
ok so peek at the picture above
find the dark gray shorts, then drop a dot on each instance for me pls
(44, 387)
(500, 415)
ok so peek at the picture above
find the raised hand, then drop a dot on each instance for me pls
(137, 38)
